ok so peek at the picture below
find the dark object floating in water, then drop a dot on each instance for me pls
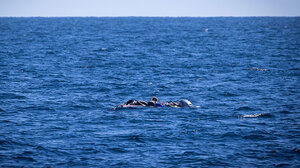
(153, 102)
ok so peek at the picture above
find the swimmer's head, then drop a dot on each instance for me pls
(154, 99)
(185, 103)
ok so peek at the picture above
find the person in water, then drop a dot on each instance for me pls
(136, 102)
(153, 102)
(181, 103)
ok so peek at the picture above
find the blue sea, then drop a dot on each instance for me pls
(61, 77)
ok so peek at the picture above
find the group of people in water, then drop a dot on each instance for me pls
(153, 102)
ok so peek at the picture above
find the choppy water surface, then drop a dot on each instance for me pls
(60, 77)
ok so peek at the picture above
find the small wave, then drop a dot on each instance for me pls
(23, 158)
(51, 150)
(80, 107)
(1, 110)
(50, 52)
(104, 89)
(4, 142)
(230, 135)
(39, 108)
(255, 137)
(227, 94)
(257, 69)
(136, 138)
(282, 165)
(190, 153)
(100, 50)
(117, 150)
(285, 112)
(296, 150)
(245, 108)
(132, 138)
(251, 115)
(255, 115)
(11, 96)
(294, 69)
(11, 142)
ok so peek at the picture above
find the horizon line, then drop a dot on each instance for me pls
(146, 16)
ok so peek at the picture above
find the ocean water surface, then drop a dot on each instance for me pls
(61, 77)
